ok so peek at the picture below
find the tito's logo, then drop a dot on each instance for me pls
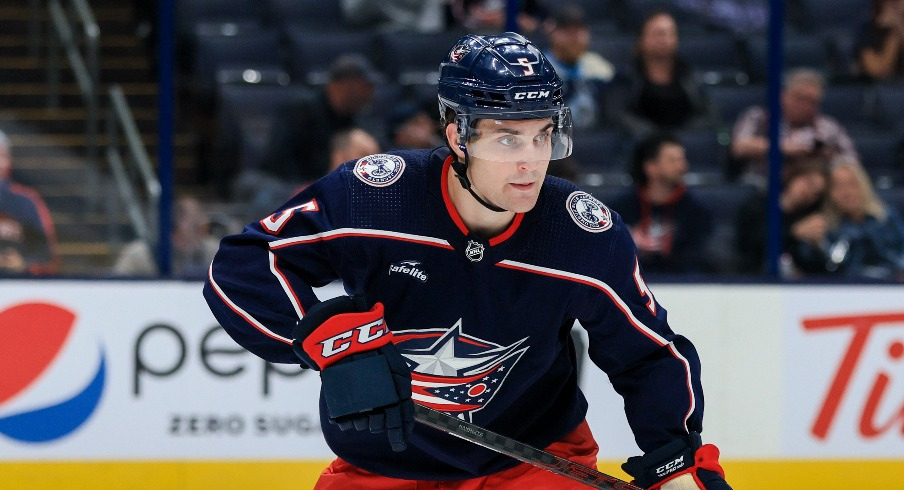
(32, 337)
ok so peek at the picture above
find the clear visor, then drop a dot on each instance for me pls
(499, 137)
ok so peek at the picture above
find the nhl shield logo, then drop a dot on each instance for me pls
(379, 170)
(588, 212)
(474, 251)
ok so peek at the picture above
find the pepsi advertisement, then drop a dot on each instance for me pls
(136, 379)
(141, 370)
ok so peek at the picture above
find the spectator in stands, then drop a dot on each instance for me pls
(411, 125)
(583, 72)
(803, 224)
(806, 133)
(193, 246)
(396, 15)
(865, 238)
(739, 16)
(670, 226)
(879, 49)
(351, 144)
(661, 91)
(27, 233)
(490, 15)
(297, 151)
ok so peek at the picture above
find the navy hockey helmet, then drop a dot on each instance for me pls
(502, 77)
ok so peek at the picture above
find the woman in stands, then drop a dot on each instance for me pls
(879, 50)
(661, 91)
(865, 237)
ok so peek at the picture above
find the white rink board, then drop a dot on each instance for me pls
(191, 413)
(767, 378)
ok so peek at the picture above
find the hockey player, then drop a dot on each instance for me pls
(466, 268)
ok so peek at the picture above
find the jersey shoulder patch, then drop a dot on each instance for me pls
(588, 212)
(379, 170)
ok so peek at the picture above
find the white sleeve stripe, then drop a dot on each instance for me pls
(362, 232)
(590, 282)
(511, 264)
(242, 313)
(290, 294)
(690, 389)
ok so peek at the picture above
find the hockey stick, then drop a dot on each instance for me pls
(518, 450)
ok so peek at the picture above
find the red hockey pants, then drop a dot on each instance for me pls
(578, 446)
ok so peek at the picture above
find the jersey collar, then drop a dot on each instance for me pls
(456, 218)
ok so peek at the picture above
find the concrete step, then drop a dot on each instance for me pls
(119, 69)
(16, 44)
(15, 16)
(70, 120)
(97, 226)
(64, 197)
(91, 258)
(77, 141)
(34, 94)
(32, 176)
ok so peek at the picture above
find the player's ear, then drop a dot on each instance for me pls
(453, 139)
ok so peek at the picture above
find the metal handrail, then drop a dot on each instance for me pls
(34, 27)
(86, 67)
(143, 218)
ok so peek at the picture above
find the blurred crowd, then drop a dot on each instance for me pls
(669, 107)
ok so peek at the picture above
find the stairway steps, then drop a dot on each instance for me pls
(67, 163)
(73, 120)
(78, 140)
(49, 144)
(34, 94)
(87, 225)
(94, 231)
(12, 46)
(120, 69)
(33, 176)
(90, 258)
(70, 201)
(112, 19)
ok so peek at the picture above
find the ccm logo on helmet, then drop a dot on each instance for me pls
(539, 94)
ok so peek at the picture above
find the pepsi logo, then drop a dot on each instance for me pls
(36, 344)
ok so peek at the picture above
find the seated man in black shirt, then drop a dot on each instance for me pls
(669, 225)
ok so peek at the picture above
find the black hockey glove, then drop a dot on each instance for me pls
(365, 381)
(679, 465)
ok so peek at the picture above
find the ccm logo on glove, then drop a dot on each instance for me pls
(669, 468)
(346, 334)
(365, 334)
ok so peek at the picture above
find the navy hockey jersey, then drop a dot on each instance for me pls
(484, 324)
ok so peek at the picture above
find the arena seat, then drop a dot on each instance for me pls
(853, 105)
(715, 56)
(215, 53)
(310, 53)
(413, 57)
(800, 50)
(315, 15)
(729, 102)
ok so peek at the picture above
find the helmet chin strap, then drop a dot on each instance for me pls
(461, 173)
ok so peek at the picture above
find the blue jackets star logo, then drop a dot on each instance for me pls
(453, 372)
